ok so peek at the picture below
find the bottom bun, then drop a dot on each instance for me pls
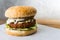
(20, 33)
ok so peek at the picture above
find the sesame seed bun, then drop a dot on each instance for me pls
(20, 11)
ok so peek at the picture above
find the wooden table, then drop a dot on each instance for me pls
(49, 22)
(2, 21)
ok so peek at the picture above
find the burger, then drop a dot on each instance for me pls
(20, 20)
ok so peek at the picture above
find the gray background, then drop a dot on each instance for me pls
(49, 9)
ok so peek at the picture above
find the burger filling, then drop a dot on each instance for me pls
(21, 29)
(21, 24)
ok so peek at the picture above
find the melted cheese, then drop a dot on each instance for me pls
(14, 20)
(10, 20)
(19, 19)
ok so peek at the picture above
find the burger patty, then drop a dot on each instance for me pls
(23, 25)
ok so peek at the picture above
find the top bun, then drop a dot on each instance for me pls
(20, 11)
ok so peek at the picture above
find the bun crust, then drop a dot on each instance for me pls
(20, 11)
(20, 33)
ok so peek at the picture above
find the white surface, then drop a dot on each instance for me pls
(43, 33)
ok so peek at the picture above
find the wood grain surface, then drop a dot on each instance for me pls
(49, 22)
(2, 21)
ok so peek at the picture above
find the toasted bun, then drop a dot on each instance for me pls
(20, 33)
(20, 11)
